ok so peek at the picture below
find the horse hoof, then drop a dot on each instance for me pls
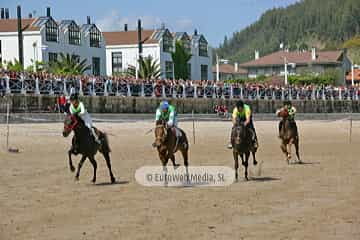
(76, 178)
(93, 181)
(113, 180)
(72, 169)
(255, 163)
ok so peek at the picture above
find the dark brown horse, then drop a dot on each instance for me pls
(167, 144)
(242, 146)
(84, 143)
(289, 136)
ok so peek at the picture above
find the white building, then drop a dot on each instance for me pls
(122, 51)
(44, 38)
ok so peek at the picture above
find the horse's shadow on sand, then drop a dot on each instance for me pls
(111, 184)
(303, 163)
(263, 179)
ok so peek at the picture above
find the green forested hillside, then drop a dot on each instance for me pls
(325, 24)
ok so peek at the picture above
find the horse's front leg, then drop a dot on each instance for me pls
(246, 164)
(172, 157)
(284, 150)
(82, 160)
(93, 162)
(236, 160)
(72, 168)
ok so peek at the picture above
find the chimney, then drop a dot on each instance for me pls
(20, 36)
(2, 13)
(236, 67)
(139, 39)
(48, 12)
(195, 32)
(125, 27)
(257, 55)
(162, 26)
(30, 15)
(88, 21)
(7, 16)
(313, 54)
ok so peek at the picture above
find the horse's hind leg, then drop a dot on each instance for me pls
(297, 150)
(254, 158)
(93, 162)
(72, 168)
(82, 160)
(185, 155)
(108, 163)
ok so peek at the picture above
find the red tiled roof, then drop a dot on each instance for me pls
(10, 25)
(277, 58)
(230, 69)
(128, 37)
(356, 75)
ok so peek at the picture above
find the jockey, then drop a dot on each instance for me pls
(78, 108)
(243, 112)
(291, 110)
(166, 112)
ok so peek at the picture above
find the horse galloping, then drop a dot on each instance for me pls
(242, 146)
(289, 136)
(84, 143)
(167, 144)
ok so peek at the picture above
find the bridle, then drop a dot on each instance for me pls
(73, 125)
(161, 138)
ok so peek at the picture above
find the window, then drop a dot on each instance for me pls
(96, 66)
(95, 37)
(167, 42)
(53, 57)
(189, 71)
(51, 31)
(116, 59)
(204, 72)
(168, 70)
(0, 53)
(74, 34)
(187, 46)
(203, 47)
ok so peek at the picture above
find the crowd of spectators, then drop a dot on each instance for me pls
(46, 83)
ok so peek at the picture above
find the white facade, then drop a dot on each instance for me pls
(155, 49)
(36, 48)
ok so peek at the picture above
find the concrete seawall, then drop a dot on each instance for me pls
(99, 104)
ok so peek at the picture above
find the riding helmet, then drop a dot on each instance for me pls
(74, 97)
(240, 104)
(164, 105)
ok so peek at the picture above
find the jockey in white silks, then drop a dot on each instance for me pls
(78, 108)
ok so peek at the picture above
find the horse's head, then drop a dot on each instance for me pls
(240, 133)
(160, 133)
(70, 123)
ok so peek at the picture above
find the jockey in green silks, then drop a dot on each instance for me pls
(77, 108)
(166, 112)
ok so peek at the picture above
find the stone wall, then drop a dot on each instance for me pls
(148, 105)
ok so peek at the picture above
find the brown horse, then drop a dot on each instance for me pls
(167, 144)
(242, 146)
(289, 136)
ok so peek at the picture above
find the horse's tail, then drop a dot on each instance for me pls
(105, 146)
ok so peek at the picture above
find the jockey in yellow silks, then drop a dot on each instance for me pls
(242, 112)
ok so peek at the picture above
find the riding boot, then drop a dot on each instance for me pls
(254, 139)
(97, 140)
(229, 146)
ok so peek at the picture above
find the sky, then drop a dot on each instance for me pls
(213, 18)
